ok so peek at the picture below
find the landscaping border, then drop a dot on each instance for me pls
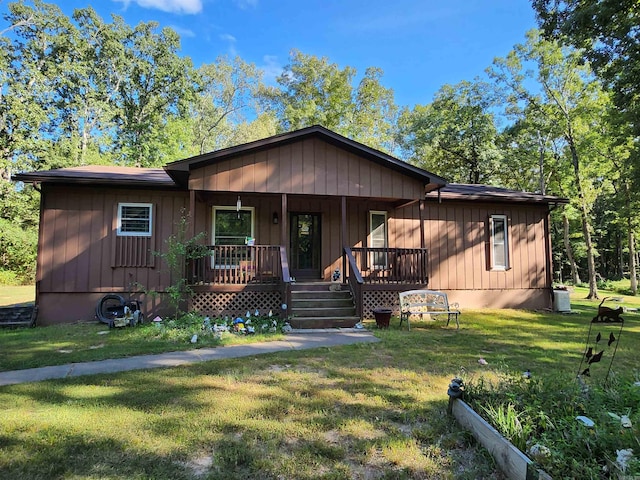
(513, 463)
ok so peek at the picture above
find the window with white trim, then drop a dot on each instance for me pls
(499, 242)
(378, 238)
(232, 226)
(135, 219)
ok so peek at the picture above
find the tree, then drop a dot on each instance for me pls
(27, 93)
(455, 135)
(89, 91)
(607, 32)
(314, 91)
(619, 213)
(152, 85)
(78, 90)
(572, 101)
(229, 93)
(374, 113)
(531, 154)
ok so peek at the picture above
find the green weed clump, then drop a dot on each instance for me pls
(540, 417)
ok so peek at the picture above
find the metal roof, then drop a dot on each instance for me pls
(176, 174)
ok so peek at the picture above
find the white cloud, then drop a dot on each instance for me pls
(271, 69)
(227, 37)
(376, 21)
(172, 6)
(183, 32)
(231, 40)
(246, 4)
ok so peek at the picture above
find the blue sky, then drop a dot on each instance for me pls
(420, 45)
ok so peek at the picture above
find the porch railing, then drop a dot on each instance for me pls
(354, 279)
(237, 265)
(286, 278)
(392, 265)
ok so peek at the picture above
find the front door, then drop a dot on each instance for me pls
(305, 245)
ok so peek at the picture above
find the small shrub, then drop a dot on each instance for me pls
(18, 247)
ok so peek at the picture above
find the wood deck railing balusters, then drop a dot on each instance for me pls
(237, 265)
(265, 264)
(381, 265)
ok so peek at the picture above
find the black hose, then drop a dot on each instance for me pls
(103, 316)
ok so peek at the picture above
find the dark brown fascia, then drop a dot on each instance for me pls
(504, 198)
(42, 178)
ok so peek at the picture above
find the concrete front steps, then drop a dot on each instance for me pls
(315, 305)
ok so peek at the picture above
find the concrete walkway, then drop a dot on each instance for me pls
(294, 341)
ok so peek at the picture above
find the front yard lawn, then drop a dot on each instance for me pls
(370, 411)
(84, 342)
(17, 295)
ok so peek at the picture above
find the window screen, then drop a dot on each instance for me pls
(134, 219)
(499, 242)
(232, 227)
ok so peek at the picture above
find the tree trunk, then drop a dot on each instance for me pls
(619, 256)
(591, 264)
(541, 150)
(584, 215)
(632, 260)
(630, 239)
(575, 276)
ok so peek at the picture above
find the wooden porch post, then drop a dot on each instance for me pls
(284, 223)
(422, 240)
(192, 213)
(343, 233)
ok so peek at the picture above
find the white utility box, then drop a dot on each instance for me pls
(561, 301)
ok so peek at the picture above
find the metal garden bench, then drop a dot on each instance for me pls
(427, 302)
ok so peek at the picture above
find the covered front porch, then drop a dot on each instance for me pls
(302, 207)
(231, 280)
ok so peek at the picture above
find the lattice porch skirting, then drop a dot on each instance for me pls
(219, 304)
(372, 299)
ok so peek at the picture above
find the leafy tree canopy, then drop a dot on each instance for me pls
(454, 136)
(607, 30)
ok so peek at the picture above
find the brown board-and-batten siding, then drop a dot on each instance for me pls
(309, 167)
(458, 239)
(81, 256)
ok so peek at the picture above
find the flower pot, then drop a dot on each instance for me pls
(383, 316)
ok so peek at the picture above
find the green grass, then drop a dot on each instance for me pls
(374, 411)
(17, 295)
(360, 411)
(84, 342)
